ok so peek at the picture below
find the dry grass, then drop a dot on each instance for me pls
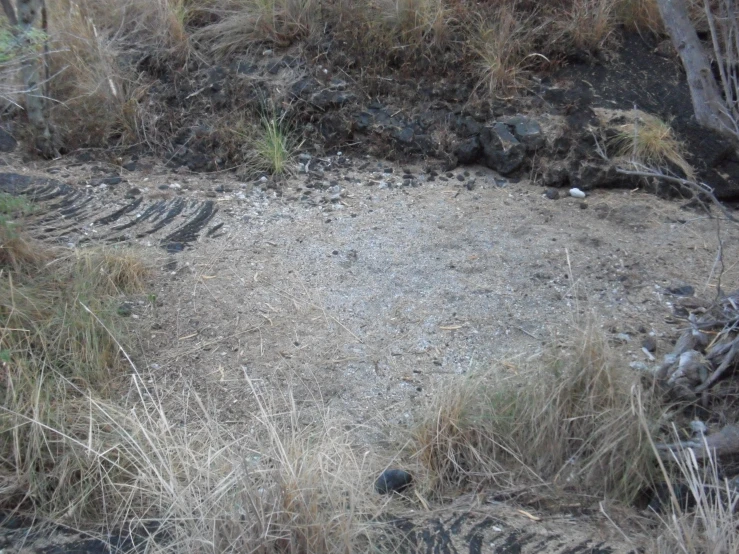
(567, 419)
(641, 16)
(76, 451)
(17, 252)
(100, 99)
(711, 524)
(650, 142)
(279, 488)
(583, 26)
(414, 22)
(504, 45)
(244, 23)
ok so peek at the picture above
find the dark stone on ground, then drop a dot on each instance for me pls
(650, 344)
(682, 290)
(526, 130)
(130, 166)
(110, 180)
(552, 194)
(555, 175)
(393, 480)
(7, 142)
(133, 192)
(173, 247)
(469, 151)
(596, 174)
(501, 150)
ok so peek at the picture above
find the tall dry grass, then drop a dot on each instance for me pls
(89, 442)
(708, 522)
(505, 46)
(648, 141)
(243, 24)
(568, 419)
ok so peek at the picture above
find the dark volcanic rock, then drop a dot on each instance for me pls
(555, 175)
(393, 480)
(327, 99)
(596, 174)
(526, 130)
(501, 150)
(7, 142)
(650, 344)
(110, 180)
(469, 151)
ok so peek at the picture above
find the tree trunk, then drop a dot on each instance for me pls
(36, 104)
(708, 103)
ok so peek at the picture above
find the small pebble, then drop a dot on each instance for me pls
(577, 193)
(551, 194)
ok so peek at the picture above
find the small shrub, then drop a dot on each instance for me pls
(274, 146)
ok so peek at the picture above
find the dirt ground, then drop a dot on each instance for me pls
(368, 297)
(375, 302)
(369, 287)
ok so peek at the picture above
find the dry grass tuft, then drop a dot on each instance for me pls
(583, 26)
(246, 22)
(569, 420)
(649, 141)
(414, 22)
(100, 100)
(641, 16)
(280, 488)
(17, 252)
(504, 45)
(711, 524)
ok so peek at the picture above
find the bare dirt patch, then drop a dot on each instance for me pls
(375, 300)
